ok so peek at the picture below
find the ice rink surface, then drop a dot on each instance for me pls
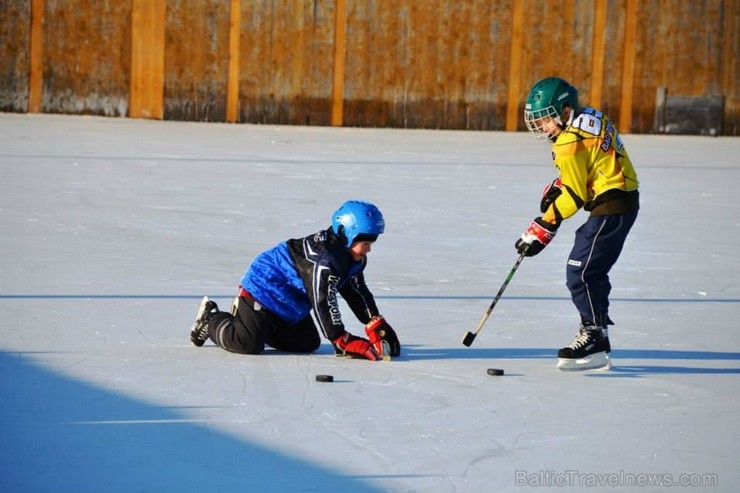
(112, 229)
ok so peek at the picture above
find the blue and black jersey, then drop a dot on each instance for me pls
(304, 274)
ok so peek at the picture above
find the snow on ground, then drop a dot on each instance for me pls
(112, 229)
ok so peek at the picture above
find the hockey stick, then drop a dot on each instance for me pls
(470, 336)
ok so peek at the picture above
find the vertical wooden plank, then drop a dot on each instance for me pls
(512, 105)
(146, 99)
(597, 53)
(36, 76)
(497, 63)
(358, 98)
(15, 55)
(298, 75)
(628, 69)
(426, 48)
(155, 81)
(714, 35)
(232, 85)
(730, 72)
(137, 62)
(340, 48)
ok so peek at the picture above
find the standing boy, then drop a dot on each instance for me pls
(596, 174)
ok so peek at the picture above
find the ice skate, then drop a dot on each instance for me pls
(199, 330)
(589, 351)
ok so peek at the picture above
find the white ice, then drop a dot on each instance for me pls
(112, 229)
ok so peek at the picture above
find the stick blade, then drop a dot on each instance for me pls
(468, 339)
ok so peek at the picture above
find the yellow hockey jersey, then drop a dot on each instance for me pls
(595, 169)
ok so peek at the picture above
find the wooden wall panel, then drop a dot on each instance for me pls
(684, 55)
(286, 53)
(558, 41)
(432, 64)
(86, 57)
(196, 60)
(15, 27)
(464, 64)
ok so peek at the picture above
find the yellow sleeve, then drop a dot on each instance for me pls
(571, 159)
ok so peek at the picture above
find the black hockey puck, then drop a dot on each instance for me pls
(497, 372)
(324, 378)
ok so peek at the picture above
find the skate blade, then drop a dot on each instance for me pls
(201, 312)
(597, 361)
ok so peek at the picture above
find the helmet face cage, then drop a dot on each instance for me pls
(545, 104)
(355, 218)
(539, 121)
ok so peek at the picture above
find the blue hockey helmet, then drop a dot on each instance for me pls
(357, 221)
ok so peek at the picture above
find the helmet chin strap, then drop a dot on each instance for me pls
(571, 113)
(563, 125)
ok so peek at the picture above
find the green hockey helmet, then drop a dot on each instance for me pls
(545, 104)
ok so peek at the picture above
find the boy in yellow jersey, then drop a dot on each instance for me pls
(595, 174)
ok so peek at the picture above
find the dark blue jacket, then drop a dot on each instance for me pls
(305, 274)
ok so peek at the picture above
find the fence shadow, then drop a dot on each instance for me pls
(60, 434)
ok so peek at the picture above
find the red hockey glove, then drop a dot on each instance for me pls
(355, 346)
(383, 337)
(551, 192)
(536, 237)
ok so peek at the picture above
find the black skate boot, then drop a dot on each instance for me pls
(589, 350)
(199, 330)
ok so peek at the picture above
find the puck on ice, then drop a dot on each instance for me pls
(324, 378)
(495, 372)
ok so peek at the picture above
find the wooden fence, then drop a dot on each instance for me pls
(462, 64)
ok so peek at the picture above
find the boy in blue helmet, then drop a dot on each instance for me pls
(597, 175)
(289, 293)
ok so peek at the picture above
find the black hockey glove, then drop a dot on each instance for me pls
(383, 337)
(551, 192)
(537, 236)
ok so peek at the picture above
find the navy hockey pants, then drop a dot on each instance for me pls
(597, 246)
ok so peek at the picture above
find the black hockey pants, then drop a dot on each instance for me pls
(252, 327)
